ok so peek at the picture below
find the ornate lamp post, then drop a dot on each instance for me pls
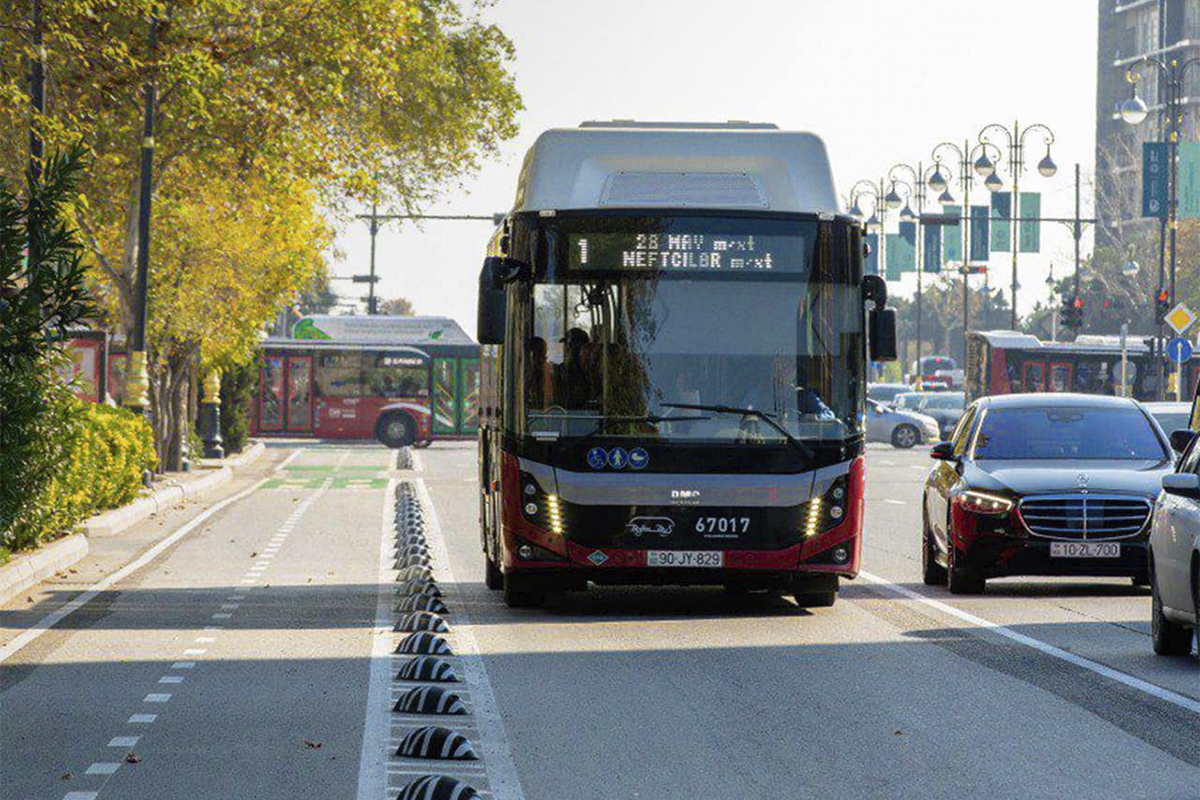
(919, 178)
(1134, 111)
(939, 181)
(986, 168)
(211, 415)
(875, 222)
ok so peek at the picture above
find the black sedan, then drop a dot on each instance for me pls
(1042, 484)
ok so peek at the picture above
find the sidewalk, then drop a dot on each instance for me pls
(103, 535)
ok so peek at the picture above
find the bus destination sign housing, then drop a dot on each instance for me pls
(686, 252)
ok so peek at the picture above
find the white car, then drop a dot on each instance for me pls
(1175, 558)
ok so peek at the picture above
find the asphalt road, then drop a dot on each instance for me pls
(1039, 688)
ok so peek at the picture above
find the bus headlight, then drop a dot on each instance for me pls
(826, 510)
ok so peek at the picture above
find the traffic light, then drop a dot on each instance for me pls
(1162, 304)
(1072, 313)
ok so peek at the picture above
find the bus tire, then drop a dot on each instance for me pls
(815, 599)
(905, 436)
(493, 578)
(521, 592)
(396, 429)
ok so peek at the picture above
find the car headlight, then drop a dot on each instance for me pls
(984, 503)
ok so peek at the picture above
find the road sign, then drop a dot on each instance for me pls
(1179, 349)
(1180, 318)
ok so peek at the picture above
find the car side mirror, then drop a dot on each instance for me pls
(1180, 439)
(496, 273)
(943, 451)
(1184, 484)
(881, 328)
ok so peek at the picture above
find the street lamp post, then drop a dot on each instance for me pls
(875, 222)
(986, 168)
(940, 182)
(1134, 111)
(919, 180)
(137, 381)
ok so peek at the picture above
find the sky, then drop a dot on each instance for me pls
(880, 81)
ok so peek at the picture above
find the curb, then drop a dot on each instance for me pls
(118, 519)
(27, 570)
(247, 456)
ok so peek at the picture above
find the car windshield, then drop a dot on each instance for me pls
(1065, 432)
(634, 348)
(909, 401)
(944, 402)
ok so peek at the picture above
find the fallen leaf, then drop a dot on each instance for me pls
(309, 743)
(66, 776)
(132, 758)
(897, 733)
(253, 553)
(28, 599)
(72, 570)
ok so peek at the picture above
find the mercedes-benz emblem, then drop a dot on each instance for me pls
(1082, 480)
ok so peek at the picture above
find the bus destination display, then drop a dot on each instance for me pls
(690, 252)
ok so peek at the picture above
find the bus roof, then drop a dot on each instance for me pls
(1085, 343)
(377, 329)
(627, 164)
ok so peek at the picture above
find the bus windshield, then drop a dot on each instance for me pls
(624, 355)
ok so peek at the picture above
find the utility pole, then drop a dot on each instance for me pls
(375, 218)
(37, 90)
(371, 286)
(137, 380)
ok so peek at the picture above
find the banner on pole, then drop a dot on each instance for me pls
(1189, 180)
(932, 254)
(1155, 156)
(952, 241)
(871, 262)
(901, 253)
(1001, 238)
(1030, 232)
(979, 233)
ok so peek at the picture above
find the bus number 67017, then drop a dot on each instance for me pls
(722, 524)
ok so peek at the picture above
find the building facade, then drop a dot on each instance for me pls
(1129, 31)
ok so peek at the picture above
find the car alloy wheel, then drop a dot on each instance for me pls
(905, 436)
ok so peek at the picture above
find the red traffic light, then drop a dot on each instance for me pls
(1163, 296)
(1078, 303)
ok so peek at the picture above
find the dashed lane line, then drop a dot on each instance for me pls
(1048, 649)
(27, 637)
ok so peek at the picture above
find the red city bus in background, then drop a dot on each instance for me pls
(1005, 362)
(401, 380)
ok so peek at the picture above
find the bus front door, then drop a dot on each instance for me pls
(1034, 376)
(455, 396)
(299, 387)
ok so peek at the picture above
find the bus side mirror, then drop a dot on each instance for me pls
(490, 321)
(1180, 439)
(881, 330)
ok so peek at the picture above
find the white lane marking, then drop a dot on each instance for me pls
(372, 773)
(123, 741)
(917, 466)
(80, 795)
(1042, 647)
(418, 463)
(103, 768)
(230, 606)
(184, 665)
(236, 598)
(214, 627)
(142, 719)
(888, 463)
(222, 616)
(156, 698)
(205, 639)
(171, 679)
(249, 580)
(195, 651)
(493, 741)
(895, 502)
(47, 622)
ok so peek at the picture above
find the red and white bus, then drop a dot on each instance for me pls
(401, 380)
(674, 320)
(1006, 362)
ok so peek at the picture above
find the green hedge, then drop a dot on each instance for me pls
(86, 458)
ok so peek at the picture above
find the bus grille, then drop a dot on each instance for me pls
(1085, 516)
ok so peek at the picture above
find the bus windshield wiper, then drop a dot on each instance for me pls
(800, 446)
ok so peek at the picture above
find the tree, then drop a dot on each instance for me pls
(361, 99)
(398, 306)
